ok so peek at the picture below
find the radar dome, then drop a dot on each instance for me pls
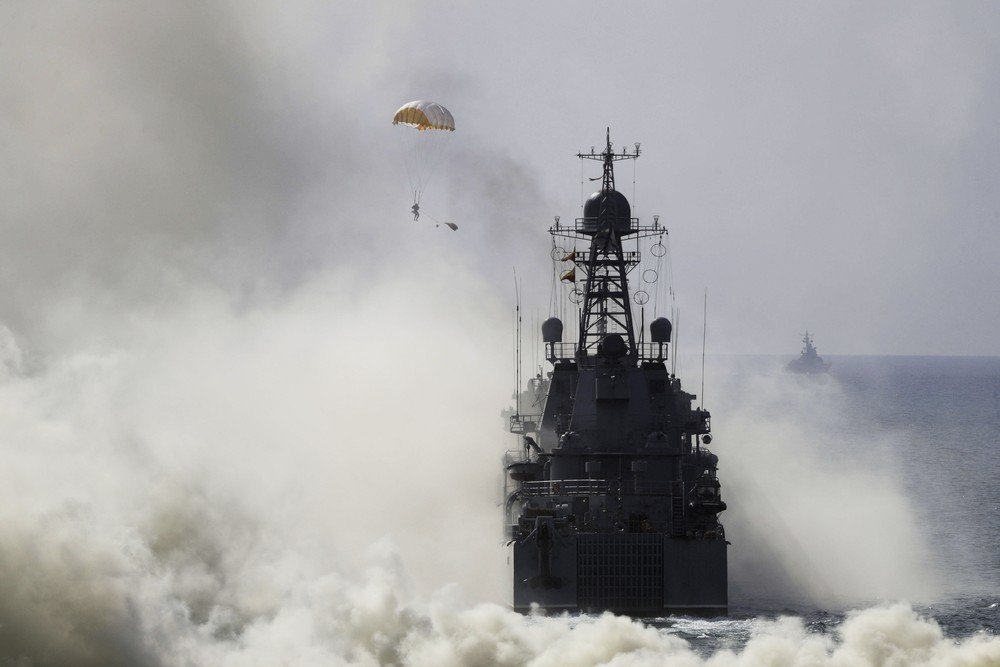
(660, 330)
(552, 330)
(616, 210)
(613, 346)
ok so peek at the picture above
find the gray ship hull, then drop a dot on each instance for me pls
(639, 574)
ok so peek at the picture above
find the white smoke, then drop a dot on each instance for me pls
(227, 458)
(281, 486)
(818, 510)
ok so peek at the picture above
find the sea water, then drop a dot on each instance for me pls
(908, 448)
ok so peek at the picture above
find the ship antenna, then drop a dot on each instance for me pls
(517, 346)
(635, 204)
(642, 327)
(534, 339)
(704, 331)
(677, 341)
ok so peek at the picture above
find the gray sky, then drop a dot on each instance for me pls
(823, 166)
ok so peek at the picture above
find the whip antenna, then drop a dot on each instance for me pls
(517, 345)
(704, 331)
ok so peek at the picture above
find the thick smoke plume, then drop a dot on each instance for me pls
(820, 513)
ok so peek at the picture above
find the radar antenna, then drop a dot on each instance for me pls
(606, 221)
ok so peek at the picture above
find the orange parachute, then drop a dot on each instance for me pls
(424, 115)
(424, 130)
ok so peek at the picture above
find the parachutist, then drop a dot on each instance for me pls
(426, 126)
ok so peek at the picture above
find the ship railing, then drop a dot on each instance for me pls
(644, 351)
(565, 487)
(521, 423)
(594, 487)
(651, 351)
(581, 257)
(515, 456)
(561, 351)
(584, 229)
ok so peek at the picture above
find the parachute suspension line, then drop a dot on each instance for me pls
(427, 148)
(408, 168)
(409, 159)
(413, 166)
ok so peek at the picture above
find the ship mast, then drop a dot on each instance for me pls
(607, 221)
(606, 307)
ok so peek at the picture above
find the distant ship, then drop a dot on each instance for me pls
(612, 501)
(808, 361)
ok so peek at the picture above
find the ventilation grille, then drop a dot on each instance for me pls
(620, 572)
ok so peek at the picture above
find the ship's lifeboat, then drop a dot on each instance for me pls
(708, 506)
(524, 471)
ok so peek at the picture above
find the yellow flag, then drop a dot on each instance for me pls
(571, 257)
(569, 276)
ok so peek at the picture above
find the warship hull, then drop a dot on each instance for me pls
(638, 574)
(795, 366)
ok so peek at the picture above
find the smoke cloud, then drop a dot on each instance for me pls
(820, 514)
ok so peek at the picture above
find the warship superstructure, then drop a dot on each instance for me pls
(612, 501)
(809, 360)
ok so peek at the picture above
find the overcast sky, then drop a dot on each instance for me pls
(823, 166)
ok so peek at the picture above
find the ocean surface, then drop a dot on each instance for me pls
(928, 429)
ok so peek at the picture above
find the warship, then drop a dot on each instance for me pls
(612, 500)
(808, 361)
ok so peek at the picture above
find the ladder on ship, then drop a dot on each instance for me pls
(677, 523)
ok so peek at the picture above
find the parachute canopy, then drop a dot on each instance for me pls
(422, 151)
(424, 115)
